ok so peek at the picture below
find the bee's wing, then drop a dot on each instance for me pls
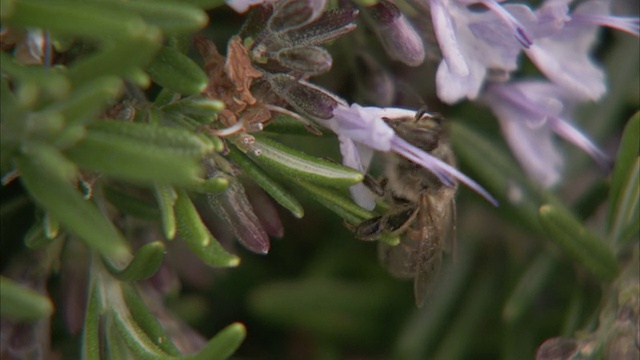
(426, 272)
(433, 225)
(450, 230)
(399, 259)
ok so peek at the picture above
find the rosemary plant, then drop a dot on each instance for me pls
(153, 150)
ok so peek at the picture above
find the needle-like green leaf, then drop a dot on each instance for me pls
(21, 303)
(277, 192)
(87, 101)
(341, 205)
(298, 165)
(177, 72)
(529, 286)
(624, 193)
(172, 17)
(140, 155)
(91, 330)
(96, 20)
(147, 320)
(198, 237)
(144, 264)
(166, 197)
(578, 242)
(223, 344)
(501, 175)
(56, 194)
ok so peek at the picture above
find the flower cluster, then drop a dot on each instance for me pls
(481, 49)
(481, 43)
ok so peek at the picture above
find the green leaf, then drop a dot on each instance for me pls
(88, 101)
(6, 8)
(51, 226)
(35, 237)
(624, 192)
(129, 204)
(22, 303)
(195, 105)
(272, 188)
(166, 197)
(171, 17)
(198, 237)
(123, 58)
(500, 174)
(147, 320)
(297, 165)
(579, 243)
(135, 338)
(174, 139)
(343, 207)
(205, 4)
(210, 186)
(223, 344)
(529, 287)
(137, 159)
(195, 127)
(283, 124)
(327, 308)
(91, 330)
(177, 72)
(95, 20)
(144, 264)
(43, 81)
(464, 326)
(336, 202)
(55, 194)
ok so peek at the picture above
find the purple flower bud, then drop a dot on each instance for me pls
(265, 210)
(305, 98)
(309, 60)
(234, 208)
(330, 26)
(293, 14)
(397, 35)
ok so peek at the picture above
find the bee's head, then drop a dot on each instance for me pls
(423, 131)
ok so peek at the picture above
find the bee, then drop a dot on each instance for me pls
(422, 211)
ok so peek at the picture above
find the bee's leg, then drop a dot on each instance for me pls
(370, 229)
(377, 186)
(423, 112)
(400, 221)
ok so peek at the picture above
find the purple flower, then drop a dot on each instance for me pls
(563, 41)
(365, 126)
(241, 6)
(529, 112)
(472, 43)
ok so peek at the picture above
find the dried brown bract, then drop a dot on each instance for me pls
(230, 81)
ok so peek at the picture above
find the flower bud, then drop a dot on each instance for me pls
(293, 14)
(309, 60)
(398, 37)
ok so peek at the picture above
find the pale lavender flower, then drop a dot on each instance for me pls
(529, 112)
(473, 43)
(563, 41)
(366, 126)
(241, 6)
